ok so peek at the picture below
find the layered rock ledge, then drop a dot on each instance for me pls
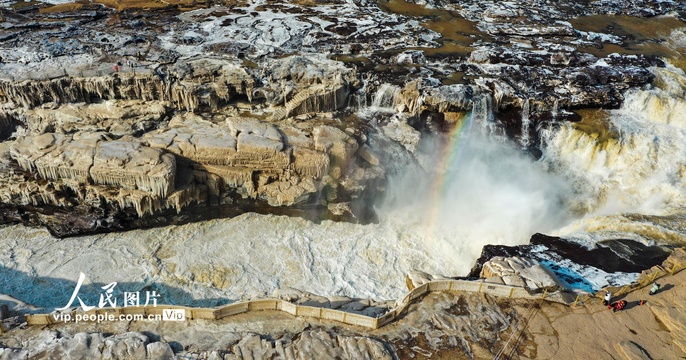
(192, 112)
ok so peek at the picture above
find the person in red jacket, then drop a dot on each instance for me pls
(617, 305)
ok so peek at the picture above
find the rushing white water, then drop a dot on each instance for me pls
(250, 255)
(386, 97)
(481, 190)
(642, 170)
(556, 108)
(383, 103)
(526, 123)
(677, 40)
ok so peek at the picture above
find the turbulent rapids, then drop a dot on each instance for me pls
(471, 189)
(632, 179)
(304, 164)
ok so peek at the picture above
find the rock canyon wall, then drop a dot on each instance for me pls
(271, 107)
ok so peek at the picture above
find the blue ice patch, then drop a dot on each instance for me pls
(570, 278)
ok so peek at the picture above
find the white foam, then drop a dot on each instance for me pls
(250, 255)
(493, 195)
(57, 2)
(640, 172)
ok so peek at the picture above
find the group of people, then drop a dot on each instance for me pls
(129, 63)
(615, 306)
(119, 65)
(621, 304)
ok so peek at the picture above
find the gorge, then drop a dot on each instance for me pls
(216, 152)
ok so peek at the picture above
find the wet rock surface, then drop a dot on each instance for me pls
(558, 256)
(249, 104)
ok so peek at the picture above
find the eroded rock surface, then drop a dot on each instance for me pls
(115, 152)
(53, 345)
(284, 108)
(518, 271)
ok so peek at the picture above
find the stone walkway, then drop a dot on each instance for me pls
(591, 331)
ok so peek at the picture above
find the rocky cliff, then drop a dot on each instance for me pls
(189, 113)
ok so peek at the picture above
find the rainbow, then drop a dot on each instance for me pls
(445, 170)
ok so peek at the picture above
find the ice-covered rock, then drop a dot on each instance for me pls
(189, 160)
(117, 117)
(399, 130)
(319, 343)
(416, 278)
(191, 85)
(128, 164)
(83, 345)
(87, 158)
(57, 156)
(450, 98)
(519, 271)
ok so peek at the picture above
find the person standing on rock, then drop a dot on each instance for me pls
(654, 289)
(608, 297)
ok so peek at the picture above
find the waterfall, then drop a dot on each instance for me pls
(360, 98)
(664, 104)
(484, 117)
(386, 97)
(526, 123)
(478, 189)
(384, 101)
(481, 111)
(637, 169)
(556, 109)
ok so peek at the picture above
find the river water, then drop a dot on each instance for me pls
(586, 187)
(618, 174)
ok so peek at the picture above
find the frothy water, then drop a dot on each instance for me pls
(247, 256)
(386, 97)
(465, 191)
(641, 171)
(480, 190)
(526, 123)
